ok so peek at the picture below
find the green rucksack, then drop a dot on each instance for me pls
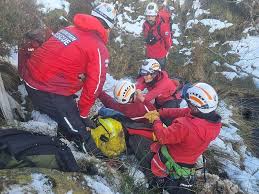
(24, 149)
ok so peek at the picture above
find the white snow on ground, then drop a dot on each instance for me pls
(196, 5)
(186, 51)
(13, 59)
(129, 9)
(98, 185)
(177, 33)
(125, 22)
(229, 75)
(244, 172)
(176, 30)
(40, 184)
(213, 24)
(54, 4)
(214, 44)
(248, 50)
(139, 177)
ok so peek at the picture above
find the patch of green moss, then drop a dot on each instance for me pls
(62, 182)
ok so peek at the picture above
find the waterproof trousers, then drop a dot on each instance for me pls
(62, 109)
(141, 149)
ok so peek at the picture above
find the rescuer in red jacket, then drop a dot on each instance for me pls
(179, 145)
(125, 101)
(161, 88)
(73, 59)
(157, 35)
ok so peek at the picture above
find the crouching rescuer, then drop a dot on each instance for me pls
(75, 58)
(173, 155)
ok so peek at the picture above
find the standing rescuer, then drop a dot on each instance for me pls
(157, 35)
(179, 145)
(73, 59)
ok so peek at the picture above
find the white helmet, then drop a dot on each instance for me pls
(151, 9)
(124, 91)
(203, 96)
(150, 66)
(106, 12)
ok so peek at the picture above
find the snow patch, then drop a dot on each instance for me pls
(51, 5)
(98, 185)
(248, 50)
(40, 123)
(41, 184)
(131, 26)
(186, 51)
(213, 24)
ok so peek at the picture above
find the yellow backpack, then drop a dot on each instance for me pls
(109, 137)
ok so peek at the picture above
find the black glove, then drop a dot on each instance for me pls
(89, 123)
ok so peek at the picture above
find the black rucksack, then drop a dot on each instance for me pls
(24, 149)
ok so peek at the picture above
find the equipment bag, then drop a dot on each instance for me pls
(24, 149)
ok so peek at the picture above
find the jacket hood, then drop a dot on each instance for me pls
(89, 23)
(208, 126)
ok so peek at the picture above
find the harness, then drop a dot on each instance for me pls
(175, 170)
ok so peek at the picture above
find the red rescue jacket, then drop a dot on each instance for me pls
(186, 138)
(134, 111)
(161, 91)
(74, 58)
(161, 31)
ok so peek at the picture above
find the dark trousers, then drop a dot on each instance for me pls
(141, 149)
(60, 108)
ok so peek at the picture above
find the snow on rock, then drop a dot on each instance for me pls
(230, 134)
(40, 123)
(40, 184)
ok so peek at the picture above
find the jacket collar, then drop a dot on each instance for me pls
(211, 117)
